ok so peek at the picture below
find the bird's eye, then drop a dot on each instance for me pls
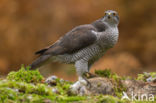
(114, 14)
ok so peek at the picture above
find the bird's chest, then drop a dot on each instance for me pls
(92, 53)
(108, 39)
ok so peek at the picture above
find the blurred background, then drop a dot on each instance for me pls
(29, 25)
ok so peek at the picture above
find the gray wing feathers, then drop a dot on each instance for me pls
(78, 38)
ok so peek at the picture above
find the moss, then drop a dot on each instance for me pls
(7, 93)
(141, 77)
(25, 86)
(111, 99)
(25, 75)
(21, 91)
(116, 80)
(119, 87)
(108, 74)
(104, 73)
(145, 76)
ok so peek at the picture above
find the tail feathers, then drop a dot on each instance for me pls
(40, 61)
(40, 52)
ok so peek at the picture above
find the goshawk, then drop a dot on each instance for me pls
(83, 45)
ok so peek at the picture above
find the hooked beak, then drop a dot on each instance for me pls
(109, 15)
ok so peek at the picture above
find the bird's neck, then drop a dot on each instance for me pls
(111, 25)
(109, 37)
(100, 26)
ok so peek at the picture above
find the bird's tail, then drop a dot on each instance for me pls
(40, 61)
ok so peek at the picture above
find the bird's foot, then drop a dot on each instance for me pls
(85, 77)
(89, 75)
(79, 87)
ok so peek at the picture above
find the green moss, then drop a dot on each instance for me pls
(27, 92)
(145, 75)
(111, 99)
(63, 86)
(7, 93)
(116, 80)
(23, 87)
(25, 75)
(141, 77)
(104, 73)
(26, 86)
(108, 74)
(119, 88)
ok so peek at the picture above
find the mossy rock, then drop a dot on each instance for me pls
(28, 86)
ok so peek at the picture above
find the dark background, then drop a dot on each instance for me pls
(29, 25)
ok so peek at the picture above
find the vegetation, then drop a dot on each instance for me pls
(147, 76)
(119, 88)
(25, 75)
(25, 86)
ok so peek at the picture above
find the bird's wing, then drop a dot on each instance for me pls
(77, 39)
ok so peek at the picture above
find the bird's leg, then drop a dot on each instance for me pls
(81, 68)
(85, 77)
(83, 80)
(88, 74)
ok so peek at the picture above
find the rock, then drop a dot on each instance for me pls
(107, 86)
(55, 90)
(47, 101)
(97, 85)
(139, 87)
(51, 80)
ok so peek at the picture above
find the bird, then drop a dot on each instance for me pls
(83, 45)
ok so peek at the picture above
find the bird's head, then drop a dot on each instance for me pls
(111, 17)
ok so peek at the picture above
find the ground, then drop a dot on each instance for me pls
(26, 86)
